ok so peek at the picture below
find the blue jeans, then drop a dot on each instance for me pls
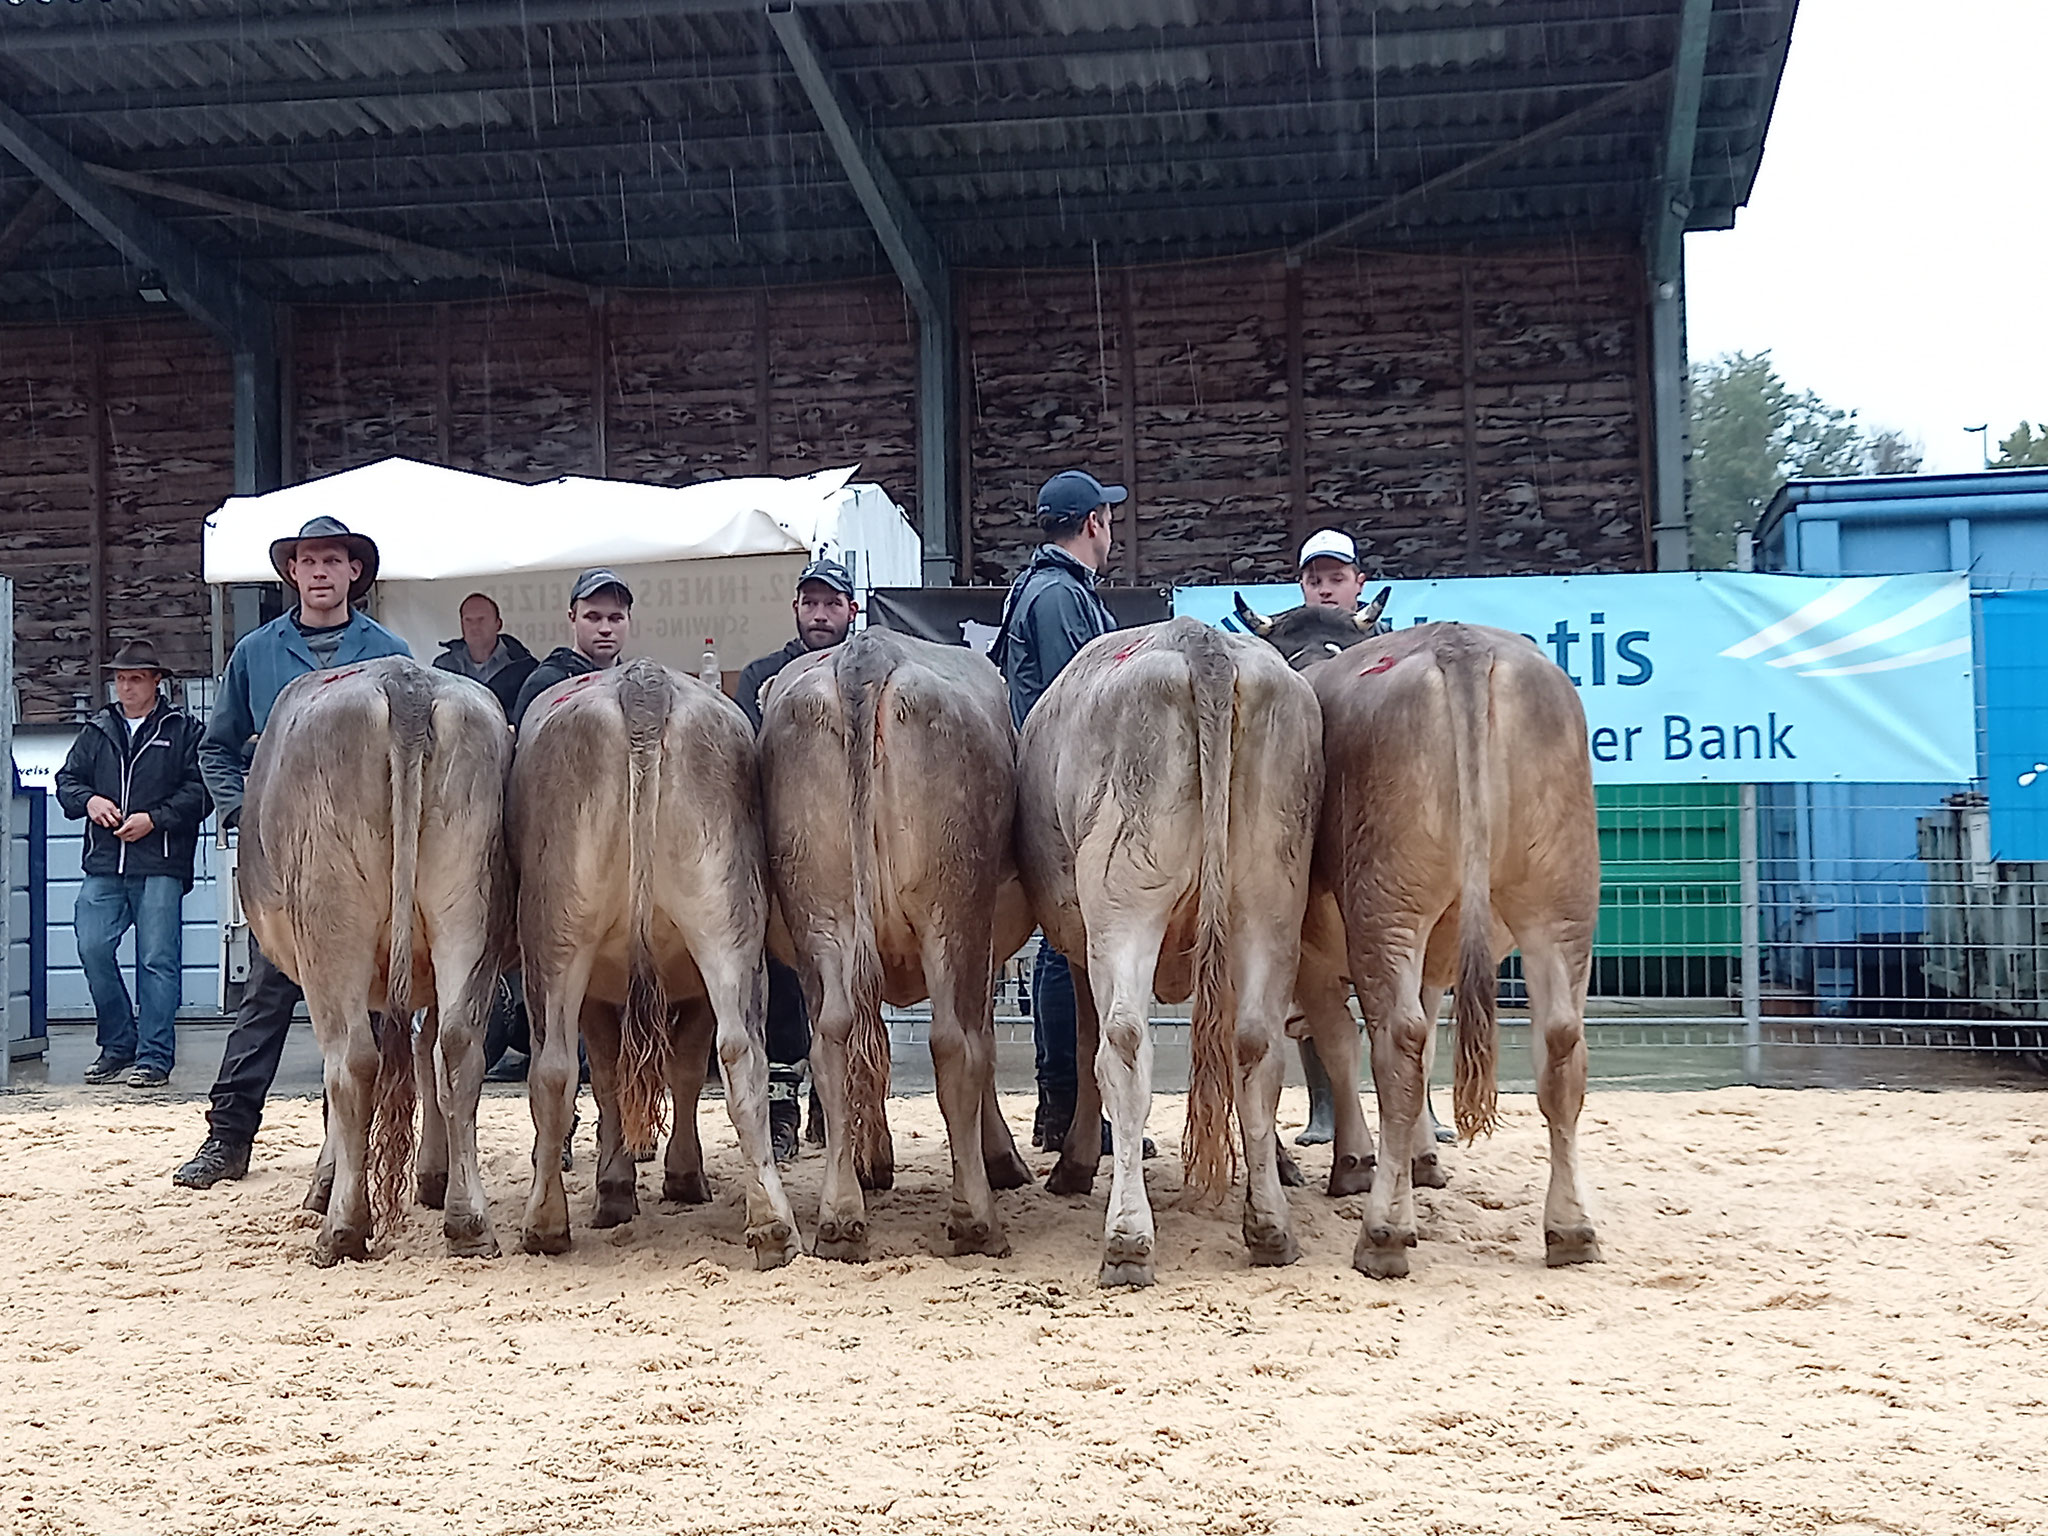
(1053, 1025)
(108, 906)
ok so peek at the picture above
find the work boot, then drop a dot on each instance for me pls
(215, 1160)
(108, 1067)
(509, 1068)
(1322, 1099)
(785, 1111)
(1146, 1152)
(1055, 1119)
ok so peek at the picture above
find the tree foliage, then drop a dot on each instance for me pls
(2026, 445)
(1751, 433)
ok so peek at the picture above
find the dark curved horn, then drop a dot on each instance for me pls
(1368, 617)
(1258, 625)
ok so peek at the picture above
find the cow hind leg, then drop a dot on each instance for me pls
(682, 1169)
(1125, 961)
(1335, 1033)
(320, 1189)
(963, 1063)
(1000, 1159)
(452, 1097)
(430, 1165)
(349, 1054)
(842, 1211)
(1390, 990)
(1556, 964)
(738, 991)
(618, 1197)
(1261, 1035)
(1425, 1168)
(554, 1005)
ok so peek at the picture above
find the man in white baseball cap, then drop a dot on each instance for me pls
(1328, 567)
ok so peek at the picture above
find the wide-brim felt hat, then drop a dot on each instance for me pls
(136, 656)
(329, 530)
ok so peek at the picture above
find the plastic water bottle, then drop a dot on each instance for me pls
(708, 670)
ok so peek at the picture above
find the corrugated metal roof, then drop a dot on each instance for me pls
(668, 141)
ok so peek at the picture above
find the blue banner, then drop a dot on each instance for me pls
(1727, 678)
(2016, 723)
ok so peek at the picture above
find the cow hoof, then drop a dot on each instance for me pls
(1271, 1247)
(843, 1239)
(432, 1190)
(1126, 1260)
(685, 1189)
(617, 1204)
(983, 1237)
(1351, 1175)
(317, 1194)
(337, 1243)
(1382, 1254)
(1577, 1246)
(774, 1245)
(470, 1237)
(1427, 1172)
(1070, 1178)
(533, 1240)
(1290, 1171)
(1007, 1172)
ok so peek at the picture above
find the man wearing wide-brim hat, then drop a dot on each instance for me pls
(133, 777)
(330, 569)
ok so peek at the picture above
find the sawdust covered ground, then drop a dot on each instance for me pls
(1820, 1311)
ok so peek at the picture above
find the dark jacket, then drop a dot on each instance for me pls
(754, 677)
(264, 661)
(1052, 612)
(157, 770)
(563, 662)
(504, 671)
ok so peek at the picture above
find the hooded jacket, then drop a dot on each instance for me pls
(563, 663)
(156, 770)
(1053, 611)
(747, 694)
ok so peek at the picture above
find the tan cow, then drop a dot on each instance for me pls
(1458, 821)
(373, 871)
(1167, 792)
(889, 783)
(635, 821)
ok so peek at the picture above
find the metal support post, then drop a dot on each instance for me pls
(1752, 942)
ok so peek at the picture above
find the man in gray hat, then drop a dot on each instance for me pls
(331, 570)
(600, 621)
(824, 609)
(133, 776)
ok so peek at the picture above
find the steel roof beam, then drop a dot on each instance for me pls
(27, 223)
(920, 266)
(1671, 205)
(215, 297)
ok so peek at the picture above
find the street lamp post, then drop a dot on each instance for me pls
(1983, 434)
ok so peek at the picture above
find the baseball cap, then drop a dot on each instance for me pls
(1073, 494)
(830, 572)
(592, 582)
(1330, 544)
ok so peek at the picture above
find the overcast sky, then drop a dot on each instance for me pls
(1894, 255)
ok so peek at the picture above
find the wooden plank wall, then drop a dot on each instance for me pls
(1456, 414)
(116, 440)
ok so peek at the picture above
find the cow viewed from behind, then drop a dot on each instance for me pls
(635, 822)
(889, 783)
(372, 868)
(1458, 821)
(1167, 790)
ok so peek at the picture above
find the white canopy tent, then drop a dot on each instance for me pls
(715, 560)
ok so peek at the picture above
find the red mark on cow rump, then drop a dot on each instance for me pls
(335, 677)
(1128, 651)
(1384, 664)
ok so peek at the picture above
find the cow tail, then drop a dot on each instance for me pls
(409, 698)
(1208, 1154)
(862, 672)
(1468, 675)
(645, 698)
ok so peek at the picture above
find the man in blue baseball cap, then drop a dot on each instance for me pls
(600, 619)
(1053, 610)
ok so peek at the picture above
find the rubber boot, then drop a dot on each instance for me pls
(1055, 1118)
(1322, 1099)
(785, 1110)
